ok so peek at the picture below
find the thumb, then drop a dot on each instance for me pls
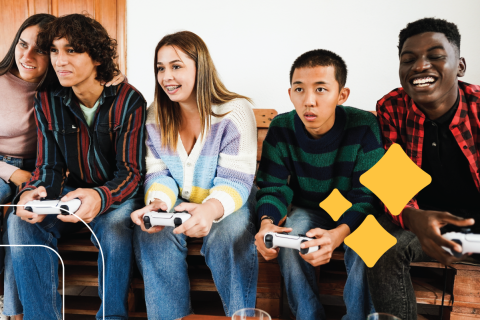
(71, 195)
(42, 192)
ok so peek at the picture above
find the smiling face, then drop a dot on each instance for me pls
(73, 69)
(176, 74)
(315, 93)
(429, 67)
(31, 62)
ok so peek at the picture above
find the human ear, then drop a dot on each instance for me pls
(343, 96)
(462, 67)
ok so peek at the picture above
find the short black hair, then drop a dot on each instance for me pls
(323, 58)
(449, 29)
(85, 35)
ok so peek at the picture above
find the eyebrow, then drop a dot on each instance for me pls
(318, 82)
(173, 61)
(428, 50)
(23, 40)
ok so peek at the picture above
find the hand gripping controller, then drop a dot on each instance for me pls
(167, 219)
(274, 240)
(470, 242)
(53, 206)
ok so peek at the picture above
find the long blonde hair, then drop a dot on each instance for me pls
(209, 87)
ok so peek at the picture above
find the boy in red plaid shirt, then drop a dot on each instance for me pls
(435, 118)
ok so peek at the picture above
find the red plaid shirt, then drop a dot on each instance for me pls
(401, 121)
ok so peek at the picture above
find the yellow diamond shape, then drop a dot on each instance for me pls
(335, 204)
(370, 241)
(395, 179)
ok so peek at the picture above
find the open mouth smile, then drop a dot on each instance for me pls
(172, 89)
(423, 81)
(27, 66)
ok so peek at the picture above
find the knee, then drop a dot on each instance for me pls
(17, 229)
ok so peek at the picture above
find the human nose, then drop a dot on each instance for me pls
(309, 99)
(60, 59)
(421, 64)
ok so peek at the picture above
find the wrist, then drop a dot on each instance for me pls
(339, 234)
(215, 208)
(407, 216)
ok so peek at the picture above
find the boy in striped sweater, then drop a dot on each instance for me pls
(308, 152)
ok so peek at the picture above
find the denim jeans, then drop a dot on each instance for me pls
(299, 275)
(36, 268)
(389, 280)
(229, 252)
(7, 190)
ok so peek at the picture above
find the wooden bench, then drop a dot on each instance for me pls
(462, 298)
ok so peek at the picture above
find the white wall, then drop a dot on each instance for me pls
(254, 43)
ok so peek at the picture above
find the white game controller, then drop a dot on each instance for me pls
(470, 242)
(167, 219)
(284, 240)
(53, 206)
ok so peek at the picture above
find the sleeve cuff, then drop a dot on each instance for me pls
(268, 209)
(151, 195)
(106, 198)
(226, 200)
(352, 219)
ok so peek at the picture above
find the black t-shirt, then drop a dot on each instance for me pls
(452, 188)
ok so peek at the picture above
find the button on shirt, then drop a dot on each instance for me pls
(452, 188)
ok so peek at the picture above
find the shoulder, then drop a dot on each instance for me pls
(284, 120)
(395, 98)
(234, 108)
(127, 94)
(357, 117)
(472, 91)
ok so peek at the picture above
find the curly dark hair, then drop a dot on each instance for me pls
(449, 29)
(84, 34)
(323, 58)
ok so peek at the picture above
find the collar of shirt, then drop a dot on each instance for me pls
(67, 94)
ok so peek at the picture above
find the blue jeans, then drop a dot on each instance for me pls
(229, 252)
(300, 279)
(7, 190)
(36, 268)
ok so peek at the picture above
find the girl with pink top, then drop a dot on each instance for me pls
(24, 70)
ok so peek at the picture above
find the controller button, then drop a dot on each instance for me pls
(465, 230)
(301, 235)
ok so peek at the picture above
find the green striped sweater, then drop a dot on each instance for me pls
(316, 167)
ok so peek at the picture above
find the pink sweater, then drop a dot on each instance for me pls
(18, 131)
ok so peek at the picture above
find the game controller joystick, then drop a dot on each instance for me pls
(167, 219)
(53, 206)
(274, 240)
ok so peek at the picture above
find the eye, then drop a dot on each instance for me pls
(160, 69)
(53, 50)
(176, 66)
(436, 57)
(39, 51)
(21, 44)
(298, 90)
(71, 51)
(321, 89)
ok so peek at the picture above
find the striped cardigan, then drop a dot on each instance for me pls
(108, 156)
(220, 166)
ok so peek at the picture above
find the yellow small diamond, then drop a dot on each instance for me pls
(395, 179)
(370, 241)
(335, 204)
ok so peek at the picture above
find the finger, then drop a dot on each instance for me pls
(137, 215)
(185, 206)
(440, 241)
(77, 193)
(194, 231)
(282, 229)
(460, 222)
(323, 241)
(119, 79)
(70, 218)
(317, 232)
(186, 225)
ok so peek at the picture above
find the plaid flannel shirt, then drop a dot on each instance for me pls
(401, 121)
